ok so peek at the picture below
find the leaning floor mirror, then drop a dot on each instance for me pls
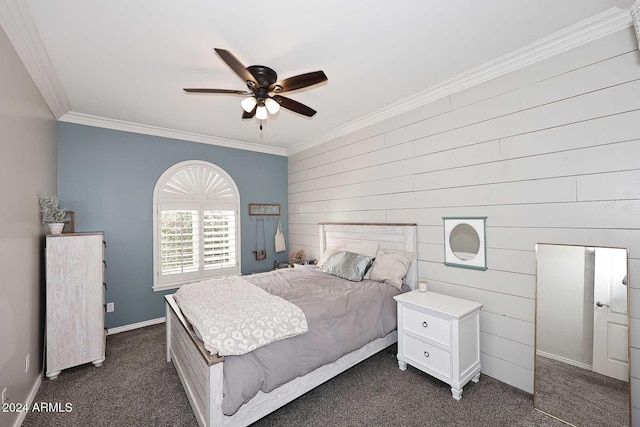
(582, 335)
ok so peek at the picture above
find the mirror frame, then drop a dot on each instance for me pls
(478, 223)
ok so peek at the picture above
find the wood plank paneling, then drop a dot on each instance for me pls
(338, 165)
(604, 158)
(350, 150)
(508, 283)
(603, 74)
(512, 306)
(431, 233)
(600, 50)
(525, 238)
(609, 186)
(601, 103)
(508, 328)
(505, 349)
(485, 110)
(634, 273)
(634, 300)
(599, 131)
(635, 363)
(565, 215)
(373, 187)
(548, 153)
(435, 108)
(507, 372)
(523, 262)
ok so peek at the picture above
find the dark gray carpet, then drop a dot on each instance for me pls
(579, 396)
(136, 387)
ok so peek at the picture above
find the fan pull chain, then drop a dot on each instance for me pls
(260, 124)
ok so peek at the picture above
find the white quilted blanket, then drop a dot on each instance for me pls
(235, 317)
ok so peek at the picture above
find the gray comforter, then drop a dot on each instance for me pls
(342, 316)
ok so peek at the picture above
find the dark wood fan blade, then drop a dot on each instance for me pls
(299, 82)
(236, 66)
(250, 115)
(294, 106)
(231, 91)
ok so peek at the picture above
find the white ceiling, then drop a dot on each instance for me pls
(129, 60)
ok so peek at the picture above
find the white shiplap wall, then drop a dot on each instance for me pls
(549, 153)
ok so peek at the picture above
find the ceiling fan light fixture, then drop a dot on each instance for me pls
(261, 113)
(263, 95)
(248, 104)
(272, 105)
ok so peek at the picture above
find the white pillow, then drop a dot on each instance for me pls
(391, 267)
(327, 253)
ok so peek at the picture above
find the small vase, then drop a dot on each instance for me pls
(56, 227)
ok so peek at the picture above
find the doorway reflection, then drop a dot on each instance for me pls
(582, 350)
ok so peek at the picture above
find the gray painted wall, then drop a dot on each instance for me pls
(27, 170)
(548, 153)
(107, 177)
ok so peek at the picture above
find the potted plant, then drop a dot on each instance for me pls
(52, 214)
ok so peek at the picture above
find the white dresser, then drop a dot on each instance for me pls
(75, 301)
(440, 335)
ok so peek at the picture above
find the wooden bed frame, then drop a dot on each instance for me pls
(201, 373)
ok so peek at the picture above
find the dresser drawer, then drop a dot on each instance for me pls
(427, 355)
(427, 326)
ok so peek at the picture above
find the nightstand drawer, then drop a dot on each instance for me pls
(427, 355)
(427, 326)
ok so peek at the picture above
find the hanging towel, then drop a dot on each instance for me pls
(279, 239)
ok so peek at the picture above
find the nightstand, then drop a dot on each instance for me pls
(278, 265)
(440, 335)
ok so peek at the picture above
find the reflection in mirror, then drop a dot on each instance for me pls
(464, 242)
(582, 348)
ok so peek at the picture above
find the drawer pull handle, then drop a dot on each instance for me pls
(426, 354)
(425, 324)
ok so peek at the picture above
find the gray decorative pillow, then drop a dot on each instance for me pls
(348, 265)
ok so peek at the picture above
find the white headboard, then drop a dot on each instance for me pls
(391, 237)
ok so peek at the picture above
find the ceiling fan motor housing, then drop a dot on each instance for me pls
(264, 75)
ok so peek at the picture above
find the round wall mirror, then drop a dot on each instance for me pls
(464, 242)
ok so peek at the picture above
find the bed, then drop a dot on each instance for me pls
(201, 373)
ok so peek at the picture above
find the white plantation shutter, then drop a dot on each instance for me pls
(196, 225)
(179, 241)
(219, 241)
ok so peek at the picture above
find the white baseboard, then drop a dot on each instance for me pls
(133, 326)
(565, 360)
(30, 399)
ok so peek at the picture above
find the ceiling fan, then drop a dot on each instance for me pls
(264, 88)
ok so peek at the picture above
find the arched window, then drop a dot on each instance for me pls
(196, 225)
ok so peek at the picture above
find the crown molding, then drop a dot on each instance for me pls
(115, 124)
(16, 20)
(608, 22)
(18, 24)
